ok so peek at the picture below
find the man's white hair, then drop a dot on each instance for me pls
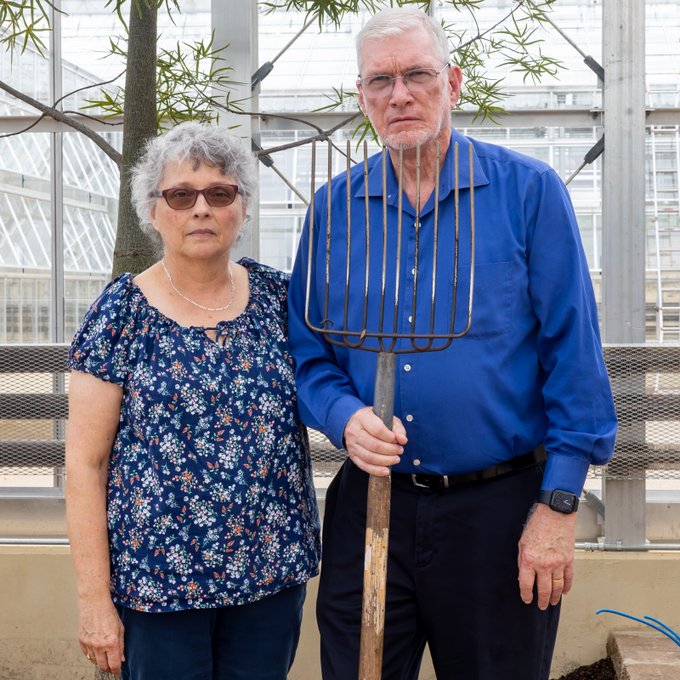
(397, 20)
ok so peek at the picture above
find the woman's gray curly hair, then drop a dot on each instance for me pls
(197, 142)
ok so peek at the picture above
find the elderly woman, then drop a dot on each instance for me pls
(191, 509)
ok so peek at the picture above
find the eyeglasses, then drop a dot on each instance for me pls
(416, 80)
(183, 198)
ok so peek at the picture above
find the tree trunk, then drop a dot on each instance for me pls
(133, 251)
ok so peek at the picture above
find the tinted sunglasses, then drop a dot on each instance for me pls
(182, 198)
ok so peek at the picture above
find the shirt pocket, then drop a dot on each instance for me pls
(492, 304)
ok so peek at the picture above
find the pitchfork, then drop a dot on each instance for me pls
(388, 343)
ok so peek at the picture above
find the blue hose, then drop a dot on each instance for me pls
(657, 625)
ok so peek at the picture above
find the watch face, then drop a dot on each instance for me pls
(562, 501)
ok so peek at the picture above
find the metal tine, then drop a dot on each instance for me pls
(346, 337)
(367, 257)
(429, 341)
(456, 209)
(348, 239)
(416, 253)
(397, 266)
(326, 320)
(471, 192)
(383, 269)
(435, 241)
(310, 244)
(471, 164)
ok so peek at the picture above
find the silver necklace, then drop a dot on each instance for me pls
(193, 302)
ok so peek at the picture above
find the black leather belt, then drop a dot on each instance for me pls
(526, 460)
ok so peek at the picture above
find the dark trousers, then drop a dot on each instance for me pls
(247, 642)
(451, 581)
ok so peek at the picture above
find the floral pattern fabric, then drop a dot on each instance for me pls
(210, 493)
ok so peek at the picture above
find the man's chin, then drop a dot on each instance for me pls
(408, 139)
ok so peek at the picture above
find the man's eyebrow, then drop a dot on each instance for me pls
(390, 73)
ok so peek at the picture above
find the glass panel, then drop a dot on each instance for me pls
(25, 235)
(90, 213)
(281, 232)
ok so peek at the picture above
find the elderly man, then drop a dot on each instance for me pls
(492, 437)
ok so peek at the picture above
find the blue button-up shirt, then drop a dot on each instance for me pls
(530, 368)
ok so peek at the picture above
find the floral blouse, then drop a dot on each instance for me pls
(210, 493)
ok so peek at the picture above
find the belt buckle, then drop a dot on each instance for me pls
(417, 483)
(445, 479)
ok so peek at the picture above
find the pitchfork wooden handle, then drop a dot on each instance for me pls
(375, 578)
(377, 536)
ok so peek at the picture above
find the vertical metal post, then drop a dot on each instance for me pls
(623, 217)
(56, 185)
(236, 26)
(57, 224)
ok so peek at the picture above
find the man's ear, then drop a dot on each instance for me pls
(455, 77)
(362, 102)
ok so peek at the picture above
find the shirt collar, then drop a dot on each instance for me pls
(446, 176)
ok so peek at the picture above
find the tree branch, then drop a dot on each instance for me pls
(26, 129)
(60, 117)
(89, 86)
(482, 34)
(322, 135)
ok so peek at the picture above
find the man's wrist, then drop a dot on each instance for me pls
(559, 500)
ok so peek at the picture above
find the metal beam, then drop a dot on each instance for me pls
(236, 27)
(623, 229)
(275, 121)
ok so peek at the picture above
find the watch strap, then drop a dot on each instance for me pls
(558, 500)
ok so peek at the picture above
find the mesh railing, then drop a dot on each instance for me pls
(33, 409)
(645, 380)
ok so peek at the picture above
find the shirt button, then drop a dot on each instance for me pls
(407, 367)
(410, 319)
(409, 418)
(413, 271)
(416, 461)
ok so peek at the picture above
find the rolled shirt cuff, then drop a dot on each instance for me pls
(565, 472)
(343, 409)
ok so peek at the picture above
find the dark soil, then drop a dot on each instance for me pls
(600, 670)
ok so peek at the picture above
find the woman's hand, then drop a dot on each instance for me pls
(100, 635)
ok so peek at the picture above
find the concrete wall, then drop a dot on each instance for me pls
(38, 617)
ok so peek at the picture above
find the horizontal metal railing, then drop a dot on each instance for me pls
(34, 406)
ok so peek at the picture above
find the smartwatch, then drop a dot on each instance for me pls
(558, 500)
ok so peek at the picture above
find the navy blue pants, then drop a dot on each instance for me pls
(451, 581)
(247, 642)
